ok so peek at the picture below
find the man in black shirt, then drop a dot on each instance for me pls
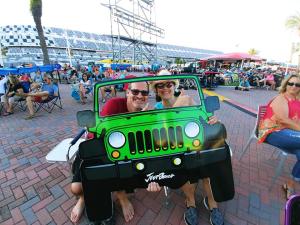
(15, 90)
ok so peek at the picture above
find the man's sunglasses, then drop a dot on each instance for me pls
(166, 84)
(136, 92)
(292, 84)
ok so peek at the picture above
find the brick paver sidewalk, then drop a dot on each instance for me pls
(33, 191)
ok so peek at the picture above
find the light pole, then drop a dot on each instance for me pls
(68, 48)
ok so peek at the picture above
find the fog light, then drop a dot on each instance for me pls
(196, 143)
(115, 154)
(177, 161)
(140, 166)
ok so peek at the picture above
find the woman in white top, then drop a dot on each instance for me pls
(85, 86)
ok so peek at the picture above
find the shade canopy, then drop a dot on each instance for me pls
(234, 56)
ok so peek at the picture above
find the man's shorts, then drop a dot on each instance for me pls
(76, 170)
(40, 99)
(11, 100)
(37, 99)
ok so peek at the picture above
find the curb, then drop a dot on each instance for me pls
(232, 103)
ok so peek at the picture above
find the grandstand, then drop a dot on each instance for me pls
(22, 45)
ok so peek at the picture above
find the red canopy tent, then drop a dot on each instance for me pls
(234, 56)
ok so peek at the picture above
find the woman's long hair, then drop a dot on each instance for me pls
(283, 85)
(12, 80)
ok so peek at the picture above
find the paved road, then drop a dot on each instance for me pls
(36, 192)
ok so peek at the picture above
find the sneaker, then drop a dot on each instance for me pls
(191, 216)
(216, 217)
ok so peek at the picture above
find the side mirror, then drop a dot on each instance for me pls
(292, 210)
(86, 118)
(212, 104)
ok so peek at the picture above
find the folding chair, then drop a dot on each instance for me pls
(254, 135)
(50, 103)
(21, 104)
(108, 93)
(91, 88)
(1, 107)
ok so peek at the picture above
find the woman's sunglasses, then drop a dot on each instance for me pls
(136, 92)
(163, 85)
(292, 84)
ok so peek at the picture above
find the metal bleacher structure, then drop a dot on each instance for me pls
(22, 46)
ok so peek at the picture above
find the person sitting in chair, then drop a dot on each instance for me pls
(85, 87)
(46, 90)
(38, 78)
(15, 90)
(111, 89)
(244, 84)
(280, 125)
(3, 85)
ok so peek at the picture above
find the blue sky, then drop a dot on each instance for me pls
(228, 26)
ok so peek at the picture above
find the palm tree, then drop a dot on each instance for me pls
(3, 53)
(36, 11)
(253, 51)
(293, 22)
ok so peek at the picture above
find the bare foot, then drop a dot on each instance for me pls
(77, 210)
(127, 208)
(288, 190)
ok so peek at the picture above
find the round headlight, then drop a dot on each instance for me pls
(191, 129)
(140, 166)
(177, 161)
(116, 139)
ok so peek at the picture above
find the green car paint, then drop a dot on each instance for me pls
(151, 133)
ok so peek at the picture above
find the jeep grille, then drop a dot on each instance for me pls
(157, 140)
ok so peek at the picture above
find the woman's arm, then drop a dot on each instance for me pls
(281, 112)
(184, 100)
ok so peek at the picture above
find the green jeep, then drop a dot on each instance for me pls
(131, 149)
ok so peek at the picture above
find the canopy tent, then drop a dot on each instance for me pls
(7, 71)
(17, 71)
(234, 57)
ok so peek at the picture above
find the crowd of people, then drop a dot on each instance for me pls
(247, 79)
(36, 89)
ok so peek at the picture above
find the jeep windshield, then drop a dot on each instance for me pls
(121, 96)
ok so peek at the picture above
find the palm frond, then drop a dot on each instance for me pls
(293, 22)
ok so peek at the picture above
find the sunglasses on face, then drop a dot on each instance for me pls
(163, 85)
(292, 84)
(136, 92)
